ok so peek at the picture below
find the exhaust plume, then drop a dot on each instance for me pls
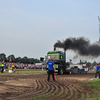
(81, 45)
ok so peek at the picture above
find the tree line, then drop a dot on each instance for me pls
(32, 60)
(25, 59)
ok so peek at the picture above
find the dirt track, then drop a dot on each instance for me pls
(26, 86)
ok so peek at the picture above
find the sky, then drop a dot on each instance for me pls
(32, 27)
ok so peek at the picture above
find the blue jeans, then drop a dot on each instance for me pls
(96, 74)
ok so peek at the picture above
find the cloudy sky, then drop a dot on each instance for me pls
(31, 27)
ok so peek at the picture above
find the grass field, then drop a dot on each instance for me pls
(24, 72)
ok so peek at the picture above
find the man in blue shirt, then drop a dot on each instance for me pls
(97, 71)
(51, 69)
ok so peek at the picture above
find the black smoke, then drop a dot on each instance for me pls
(81, 45)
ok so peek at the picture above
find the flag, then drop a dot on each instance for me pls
(10, 59)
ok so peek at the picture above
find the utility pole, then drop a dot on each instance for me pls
(99, 28)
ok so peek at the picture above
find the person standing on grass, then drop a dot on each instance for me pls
(51, 69)
(13, 66)
(97, 71)
(2, 67)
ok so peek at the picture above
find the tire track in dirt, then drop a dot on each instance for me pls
(80, 92)
(41, 88)
(61, 89)
(56, 89)
(38, 87)
(77, 92)
(67, 91)
(65, 94)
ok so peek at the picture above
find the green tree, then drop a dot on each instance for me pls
(94, 63)
(18, 59)
(24, 59)
(36, 61)
(2, 56)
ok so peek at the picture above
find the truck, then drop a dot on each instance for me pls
(63, 67)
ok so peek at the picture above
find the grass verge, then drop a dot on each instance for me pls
(96, 94)
(41, 97)
(24, 72)
(94, 80)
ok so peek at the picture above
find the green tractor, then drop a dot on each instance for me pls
(59, 58)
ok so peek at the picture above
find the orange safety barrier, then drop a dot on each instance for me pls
(17, 72)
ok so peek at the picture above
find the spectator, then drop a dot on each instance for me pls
(97, 71)
(0, 65)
